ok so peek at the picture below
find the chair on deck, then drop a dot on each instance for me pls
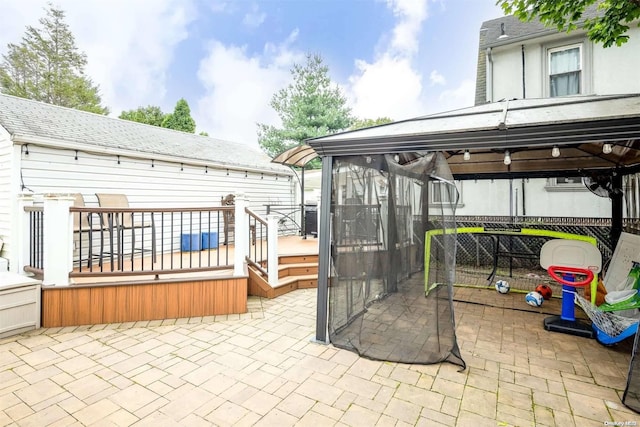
(84, 223)
(230, 219)
(118, 222)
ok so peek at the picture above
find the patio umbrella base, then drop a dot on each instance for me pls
(571, 327)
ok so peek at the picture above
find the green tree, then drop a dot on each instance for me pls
(180, 119)
(311, 106)
(609, 27)
(365, 123)
(150, 115)
(203, 133)
(47, 66)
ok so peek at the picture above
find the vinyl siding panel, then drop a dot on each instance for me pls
(148, 183)
(6, 163)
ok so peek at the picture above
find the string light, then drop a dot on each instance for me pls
(555, 151)
(466, 155)
(507, 158)
(607, 148)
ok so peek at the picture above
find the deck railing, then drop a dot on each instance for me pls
(106, 242)
(126, 241)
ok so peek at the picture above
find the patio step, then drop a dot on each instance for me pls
(300, 269)
(294, 272)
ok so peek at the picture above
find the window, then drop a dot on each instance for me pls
(444, 193)
(565, 70)
(571, 183)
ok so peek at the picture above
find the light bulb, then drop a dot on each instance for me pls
(607, 149)
(555, 151)
(507, 158)
(466, 155)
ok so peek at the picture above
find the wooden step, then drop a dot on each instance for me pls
(259, 286)
(297, 259)
(300, 269)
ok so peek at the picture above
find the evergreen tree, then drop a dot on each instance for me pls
(365, 123)
(311, 106)
(180, 119)
(47, 66)
(151, 115)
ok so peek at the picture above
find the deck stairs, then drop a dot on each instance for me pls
(294, 272)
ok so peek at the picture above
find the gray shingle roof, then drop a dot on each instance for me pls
(517, 31)
(27, 118)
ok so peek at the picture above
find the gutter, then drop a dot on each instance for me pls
(18, 139)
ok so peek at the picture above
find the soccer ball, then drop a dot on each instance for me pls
(502, 286)
(544, 290)
(534, 299)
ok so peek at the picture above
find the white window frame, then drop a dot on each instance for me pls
(585, 63)
(557, 184)
(432, 193)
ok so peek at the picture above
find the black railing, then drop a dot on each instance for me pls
(36, 239)
(129, 241)
(291, 220)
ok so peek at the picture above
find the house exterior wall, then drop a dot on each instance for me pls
(147, 184)
(606, 71)
(541, 198)
(520, 70)
(6, 196)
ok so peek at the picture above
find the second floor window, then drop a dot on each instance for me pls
(565, 70)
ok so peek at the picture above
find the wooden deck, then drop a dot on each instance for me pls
(130, 298)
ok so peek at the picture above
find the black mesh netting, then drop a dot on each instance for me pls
(381, 305)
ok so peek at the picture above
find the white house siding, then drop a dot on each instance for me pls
(487, 197)
(6, 161)
(148, 184)
(609, 71)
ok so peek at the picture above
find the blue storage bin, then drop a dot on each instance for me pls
(209, 240)
(190, 242)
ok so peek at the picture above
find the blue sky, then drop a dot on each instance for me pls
(394, 58)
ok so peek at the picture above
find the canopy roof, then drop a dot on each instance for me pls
(299, 156)
(528, 129)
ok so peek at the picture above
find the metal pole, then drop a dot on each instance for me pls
(302, 218)
(324, 253)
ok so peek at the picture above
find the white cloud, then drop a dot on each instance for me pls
(411, 14)
(129, 45)
(255, 17)
(460, 97)
(437, 78)
(390, 86)
(239, 88)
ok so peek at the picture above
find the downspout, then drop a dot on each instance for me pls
(524, 206)
(489, 75)
(524, 85)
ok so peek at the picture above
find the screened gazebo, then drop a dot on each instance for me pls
(374, 296)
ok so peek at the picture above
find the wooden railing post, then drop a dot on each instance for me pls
(272, 249)
(241, 235)
(58, 239)
(19, 258)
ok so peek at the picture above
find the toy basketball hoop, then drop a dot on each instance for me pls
(565, 260)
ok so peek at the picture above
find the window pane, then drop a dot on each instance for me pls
(565, 61)
(569, 180)
(565, 84)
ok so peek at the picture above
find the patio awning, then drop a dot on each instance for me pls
(528, 129)
(297, 156)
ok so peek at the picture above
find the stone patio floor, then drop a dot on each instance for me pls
(262, 368)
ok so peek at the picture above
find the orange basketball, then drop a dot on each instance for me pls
(544, 290)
